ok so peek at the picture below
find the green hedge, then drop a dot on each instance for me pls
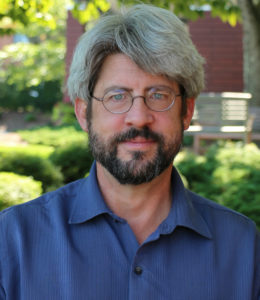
(16, 189)
(54, 136)
(74, 160)
(26, 161)
(228, 174)
(39, 150)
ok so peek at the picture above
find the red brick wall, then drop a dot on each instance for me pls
(221, 45)
(218, 42)
(73, 32)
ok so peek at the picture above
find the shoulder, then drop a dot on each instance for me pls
(220, 219)
(235, 237)
(46, 217)
(54, 203)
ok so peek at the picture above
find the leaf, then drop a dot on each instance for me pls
(232, 19)
(90, 11)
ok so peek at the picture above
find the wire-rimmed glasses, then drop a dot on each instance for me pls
(120, 100)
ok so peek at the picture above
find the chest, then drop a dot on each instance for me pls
(104, 261)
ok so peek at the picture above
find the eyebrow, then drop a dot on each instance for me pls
(116, 87)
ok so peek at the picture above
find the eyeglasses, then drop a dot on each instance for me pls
(119, 101)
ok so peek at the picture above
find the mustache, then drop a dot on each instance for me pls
(133, 133)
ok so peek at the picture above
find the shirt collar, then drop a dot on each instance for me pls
(183, 213)
(90, 203)
(89, 200)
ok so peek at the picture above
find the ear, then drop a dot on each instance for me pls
(189, 113)
(80, 109)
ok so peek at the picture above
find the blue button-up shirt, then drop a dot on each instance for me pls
(69, 245)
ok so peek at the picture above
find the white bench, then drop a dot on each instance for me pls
(221, 116)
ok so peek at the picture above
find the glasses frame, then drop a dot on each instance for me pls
(135, 97)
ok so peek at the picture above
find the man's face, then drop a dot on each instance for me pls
(136, 146)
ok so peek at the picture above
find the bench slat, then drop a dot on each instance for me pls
(220, 115)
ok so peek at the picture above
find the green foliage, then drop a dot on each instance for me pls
(24, 161)
(30, 117)
(228, 10)
(48, 93)
(32, 73)
(27, 77)
(228, 174)
(16, 189)
(40, 150)
(238, 178)
(88, 11)
(14, 15)
(29, 64)
(63, 114)
(193, 167)
(28, 12)
(73, 159)
(187, 141)
(53, 136)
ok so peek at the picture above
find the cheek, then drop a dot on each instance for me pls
(105, 123)
(169, 124)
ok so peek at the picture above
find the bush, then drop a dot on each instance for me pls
(39, 150)
(32, 164)
(53, 136)
(63, 114)
(238, 179)
(228, 174)
(73, 159)
(42, 97)
(193, 167)
(187, 141)
(15, 189)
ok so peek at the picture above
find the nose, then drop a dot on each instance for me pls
(139, 114)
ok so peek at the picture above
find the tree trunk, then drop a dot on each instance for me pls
(251, 44)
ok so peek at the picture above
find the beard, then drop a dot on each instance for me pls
(138, 169)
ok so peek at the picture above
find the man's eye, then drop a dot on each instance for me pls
(157, 96)
(117, 97)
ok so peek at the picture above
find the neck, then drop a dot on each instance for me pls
(143, 206)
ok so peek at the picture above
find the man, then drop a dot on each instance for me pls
(130, 230)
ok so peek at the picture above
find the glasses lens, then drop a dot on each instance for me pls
(117, 101)
(160, 98)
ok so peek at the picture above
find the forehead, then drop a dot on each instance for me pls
(119, 70)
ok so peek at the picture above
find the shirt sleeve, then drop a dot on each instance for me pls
(257, 269)
(2, 293)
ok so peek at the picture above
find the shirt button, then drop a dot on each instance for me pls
(138, 270)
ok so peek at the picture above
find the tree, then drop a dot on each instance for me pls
(43, 22)
(251, 43)
(17, 14)
(38, 63)
(87, 11)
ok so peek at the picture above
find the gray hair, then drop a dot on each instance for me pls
(154, 38)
